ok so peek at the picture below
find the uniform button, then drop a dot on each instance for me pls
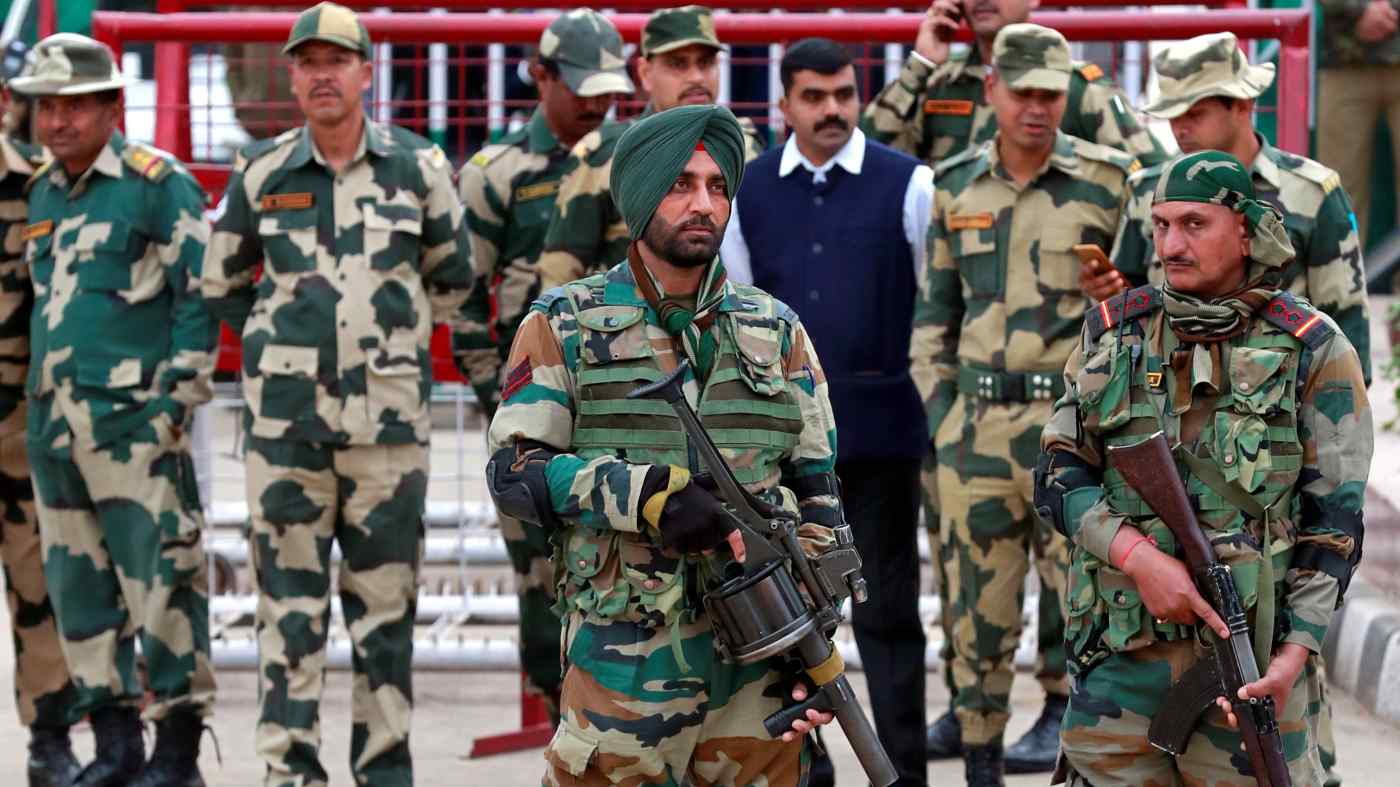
(286, 364)
(818, 201)
(1244, 386)
(582, 563)
(652, 584)
(1118, 597)
(814, 296)
(344, 323)
(1229, 459)
(816, 248)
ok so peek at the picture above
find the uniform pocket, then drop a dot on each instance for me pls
(288, 390)
(105, 266)
(393, 235)
(760, 348)
(1255, 382)
(593, 582)
(1124, 611)
(1057, 266)
(654, 578)
(590, 756)
(289, 240)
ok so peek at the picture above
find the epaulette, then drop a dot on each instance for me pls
(1289, 313)
(1147, 174)
(483, 158)
(1124, 306)
(546, 300)
(147, 162)
(1312, 171)
(1096, 152)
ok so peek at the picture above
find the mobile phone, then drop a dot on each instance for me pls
(946, 33)
(1090, 254)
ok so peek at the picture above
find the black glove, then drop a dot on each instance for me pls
(692, 519)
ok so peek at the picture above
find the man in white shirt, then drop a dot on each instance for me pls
(834, 225)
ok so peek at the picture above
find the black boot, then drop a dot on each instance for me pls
(175, 759)
(51, 760)
(1035, 752)
(944, 738)
(120, 750)
(982, 765)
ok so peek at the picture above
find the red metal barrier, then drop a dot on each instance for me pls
(651, 5)
(1290, 27)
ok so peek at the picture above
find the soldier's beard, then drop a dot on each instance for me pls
(683, 250)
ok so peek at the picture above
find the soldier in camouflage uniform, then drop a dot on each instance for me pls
(365, 249)
(1358, 84)
(1207, 92)
(1264, 398)
(508, 190)
(938, 106)
(996, 318)
(121, 349)
(646, 697)
(679, 67)
(43, 690)
(936, 109)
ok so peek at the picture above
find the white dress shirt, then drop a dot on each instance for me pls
(918, 204)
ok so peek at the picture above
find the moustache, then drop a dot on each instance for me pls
(697, 91)
(833, 122)
(325, 90)
(701, 223)
(1178, 260)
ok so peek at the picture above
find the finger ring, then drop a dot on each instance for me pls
(1162, 620)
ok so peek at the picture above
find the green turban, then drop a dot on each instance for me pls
(654, 151)
(1218, 178)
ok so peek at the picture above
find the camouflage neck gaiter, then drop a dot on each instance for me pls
(1193, 319)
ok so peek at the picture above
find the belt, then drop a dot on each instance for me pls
(995, 386)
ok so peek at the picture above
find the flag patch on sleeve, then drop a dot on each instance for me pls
(518, 378)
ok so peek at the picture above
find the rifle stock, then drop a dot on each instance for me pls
(1150, 470)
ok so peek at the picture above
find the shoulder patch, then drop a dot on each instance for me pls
(1299, 318)
(147, 162)
(1312, 171)
(1091, 72)
(1096, 152)
(38, 173)
(1130, 305)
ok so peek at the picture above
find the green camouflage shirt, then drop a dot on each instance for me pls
(119, 333)
(1328, 268)
(508, 192)
(936, 113)
(1000, 289)
(1341, 47)
(360, 265)
(17, 162)
(586, 233)
(1282, 416)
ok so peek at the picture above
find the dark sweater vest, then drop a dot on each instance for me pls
(836, 253)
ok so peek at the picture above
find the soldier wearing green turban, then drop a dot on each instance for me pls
(1263, 399)
(646, 697)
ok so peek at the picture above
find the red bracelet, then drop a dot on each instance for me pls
(1148, 539)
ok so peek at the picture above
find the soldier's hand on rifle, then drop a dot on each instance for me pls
(814, 718)
(687, 516)
(1284, 669)
(1163, 582)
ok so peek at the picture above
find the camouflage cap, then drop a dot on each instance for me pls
(1202, 67)
(588, 50)
(1218, 178)
(1029, 56)
(68, 64)
(334, 24)
(673, 28)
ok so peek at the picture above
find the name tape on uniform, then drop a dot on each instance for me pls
(971, 221)
(947, 107)
(292, 201)
(37, 230)
(537, 190)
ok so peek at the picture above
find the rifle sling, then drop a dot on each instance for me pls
(1264, 604)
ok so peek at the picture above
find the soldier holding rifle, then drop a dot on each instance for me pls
(1263, 398)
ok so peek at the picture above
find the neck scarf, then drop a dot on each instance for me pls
(684, 318)
(1195, 320)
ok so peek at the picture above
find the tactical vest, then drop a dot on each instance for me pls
(1126, 390)
(746, 404)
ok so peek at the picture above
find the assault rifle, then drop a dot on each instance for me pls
(758, 611)
(1227, 665)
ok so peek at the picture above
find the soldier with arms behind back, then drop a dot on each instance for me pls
(122, 353)
(996, 318)
(365, 249)
(646, 697)
(679, 67)
(1264, 398)
(508, 191)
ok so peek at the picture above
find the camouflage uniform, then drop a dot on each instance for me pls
(1295, 413)
(936, 112)
(646, 699)
(337, 375)
(586, 232)
(508, 191)
(1358, 84)
(998, 309)
(43, 691)
(121, 354)
(1328, 268)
